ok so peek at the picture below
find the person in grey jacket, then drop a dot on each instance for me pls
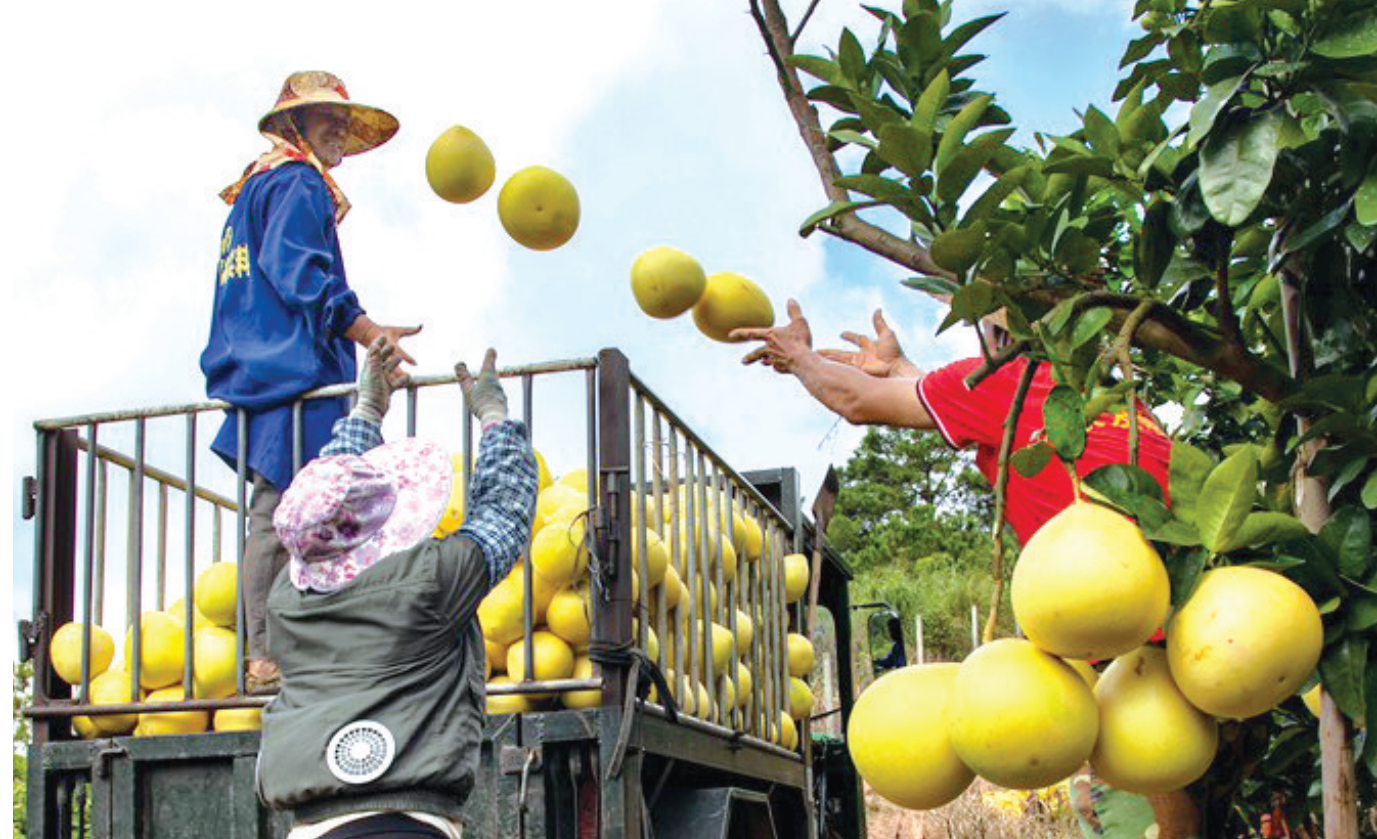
(377, 728)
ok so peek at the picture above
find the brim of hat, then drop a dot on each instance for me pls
(369, 127)
(422, 473)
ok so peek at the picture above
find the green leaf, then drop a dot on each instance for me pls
(1236, 168)
(1348, 533)
(957, 250)
(993, 197)
(875, 186)
(1102, 133)
(1343, 667)
(1369, 493)
(1174, 532)
(905, 148)
(930, 102)
(1226, 498)
(1090, 324)
(936, 286)
(1064, 422)
(1154, 245)
(1205, 111)
(966, 31)
(846, 135)
(1134, 490)
(956, 130)
(831, 211)
(1265, 529)
(1365, 199)
(850, 56)
(1369, 755)
(1356, 39)
(1080, 165)
(1362, 613)
(1139, 49)
(1029, 461)
(956, 176)
(817, 66)
(1184, 568)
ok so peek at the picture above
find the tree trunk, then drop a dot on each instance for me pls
(1338, 772)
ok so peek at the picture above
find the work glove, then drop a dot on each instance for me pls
(375, 381)
(486, 398)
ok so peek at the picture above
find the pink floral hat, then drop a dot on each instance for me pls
(343, 513)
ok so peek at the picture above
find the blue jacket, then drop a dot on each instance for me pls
(282, 304)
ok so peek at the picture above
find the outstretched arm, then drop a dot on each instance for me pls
(860, 398)
(881, 357)
(362, 429)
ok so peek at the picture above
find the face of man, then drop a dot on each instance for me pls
(326, 128)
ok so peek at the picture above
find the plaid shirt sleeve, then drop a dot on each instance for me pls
(353, 435)
(502, 497)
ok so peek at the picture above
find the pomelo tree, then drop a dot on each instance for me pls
(1223, 261)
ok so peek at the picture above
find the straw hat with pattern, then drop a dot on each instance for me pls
(369, 127)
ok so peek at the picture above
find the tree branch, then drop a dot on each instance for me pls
(774, 30)
(1006, 448)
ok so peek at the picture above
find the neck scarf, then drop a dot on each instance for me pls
(288, 147)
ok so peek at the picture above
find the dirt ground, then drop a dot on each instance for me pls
(982, 812)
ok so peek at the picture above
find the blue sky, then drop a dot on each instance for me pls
(665, 115)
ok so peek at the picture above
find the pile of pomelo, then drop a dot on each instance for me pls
(162, 660)
(538, 207)
(562, 609)
(1025, 714)
(667, 282)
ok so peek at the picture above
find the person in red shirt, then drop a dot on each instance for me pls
(876, 384)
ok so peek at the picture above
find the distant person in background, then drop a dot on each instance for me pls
(285, 320)
(896, 657)
(377, 729)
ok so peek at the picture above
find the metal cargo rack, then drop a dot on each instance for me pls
(629, 767)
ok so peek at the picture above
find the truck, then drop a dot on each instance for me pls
(702, 755)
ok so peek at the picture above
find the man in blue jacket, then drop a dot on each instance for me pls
(285, 320)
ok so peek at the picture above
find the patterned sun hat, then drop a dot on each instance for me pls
(369, 127)
(344, 513)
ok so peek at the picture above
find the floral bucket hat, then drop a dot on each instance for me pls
(369, 127)
(343, 513)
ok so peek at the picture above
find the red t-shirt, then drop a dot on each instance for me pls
(967, 417)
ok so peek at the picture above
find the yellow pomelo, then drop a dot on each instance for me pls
(1088, 585)
(161, 648)
(546, 479)
(569, 615)
(723, 647)
(1245, 640)
(801, 655)
(729, 302)
(755, 539)
(744, 685)
(1088, 673)
(553, 659)
(170, 722)
(65, 652)
(216, 671)
(177, 611)
(539, 208)
(578, 699)
(453, 516)
(558, 553)
(788, 732)
(553, 498)
(673, 588)
(459, 165)
(237, 719)
(501, 612)
(796, 571)
(1021, 717)
(800, 698)
(496, 654)
(576, 479)
(215, 592)
(898, 739)
(1313, 699)
(666, 282)
(1151, 739)
(113, 687)
(508, 703)
(85, 728)
(745, 632)
(656, 555)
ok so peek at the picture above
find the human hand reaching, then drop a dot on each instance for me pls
(376, 380)
(485, 396)
(881, 357)
(784, 345)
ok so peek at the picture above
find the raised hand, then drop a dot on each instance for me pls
(376, 380)
(783, 345)
(881, 357)
(487, 400)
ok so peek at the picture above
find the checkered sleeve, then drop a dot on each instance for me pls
(502, 496)
(353, 435)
